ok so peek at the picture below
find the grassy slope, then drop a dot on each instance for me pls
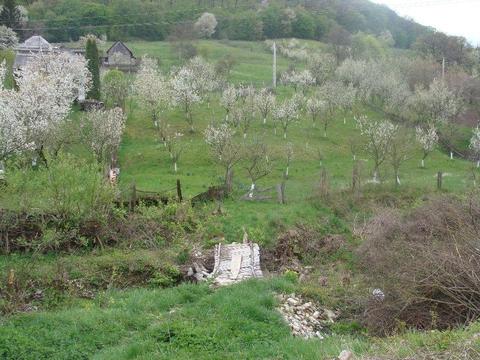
(239, 322)
(145, 162)
(192, 321)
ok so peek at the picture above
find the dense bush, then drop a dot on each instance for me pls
(71, 205)
(69, 187)
(70, 193)
(427, 263)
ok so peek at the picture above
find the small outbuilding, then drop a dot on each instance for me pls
(119, 56)
(31, 48)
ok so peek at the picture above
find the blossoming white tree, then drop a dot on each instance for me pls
(8, 38)
(377, 82)
(3, 73)
(104, 132)
(175, 148)
(347, 101)
(225, 150)
(185, 92)
(437, 104)
(264, 102)
(378, 135)
(13, 133)
(257, 162)
(82, 41)
(47, 87)
(400, 151)
(333, 94)
(428, 139)
(299, 80)
(315, 107)
(245, 93)
(475, 144)
(205, 77)
(228, 99)
(242, 116)
(152, 91)
(322, 67)
(286, 114)
(206, 25)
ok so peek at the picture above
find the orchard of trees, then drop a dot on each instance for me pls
(33, 114)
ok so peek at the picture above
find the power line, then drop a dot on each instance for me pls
(91, 26)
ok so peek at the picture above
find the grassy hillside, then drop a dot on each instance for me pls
(144, 160)
(195, 321)
(108, 302)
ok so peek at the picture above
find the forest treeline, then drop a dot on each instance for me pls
(64, 20)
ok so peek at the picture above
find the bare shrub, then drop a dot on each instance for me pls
(427, 264)
(303, 245)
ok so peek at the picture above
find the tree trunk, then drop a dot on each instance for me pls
(423, 163)
(42, 156)
(228, 179)
(175, 167)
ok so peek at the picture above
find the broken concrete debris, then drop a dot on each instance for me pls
(232, 263)
(236, 262)
(306, 318)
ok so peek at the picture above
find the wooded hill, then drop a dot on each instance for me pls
(64, 20)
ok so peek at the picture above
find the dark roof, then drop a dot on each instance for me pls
(119, 46)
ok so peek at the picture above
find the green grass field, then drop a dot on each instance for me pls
(193, 321)
(144, 160)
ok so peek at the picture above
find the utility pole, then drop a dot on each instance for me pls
(443, 69)
(274, 65)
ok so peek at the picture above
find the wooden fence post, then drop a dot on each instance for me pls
(281, 192)
(439, 180)
(133, 198)
(179, 191)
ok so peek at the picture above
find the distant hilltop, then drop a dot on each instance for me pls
(68, 20)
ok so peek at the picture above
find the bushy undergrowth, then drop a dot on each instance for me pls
(29, 282)
(71, 188)
(185, 322)
(427, 263)
(70, 205)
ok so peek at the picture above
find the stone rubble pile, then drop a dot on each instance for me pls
(306, 319)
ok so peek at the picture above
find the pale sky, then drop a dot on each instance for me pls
(453, 17)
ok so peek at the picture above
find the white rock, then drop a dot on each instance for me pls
(292, 301)
(345, 355)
